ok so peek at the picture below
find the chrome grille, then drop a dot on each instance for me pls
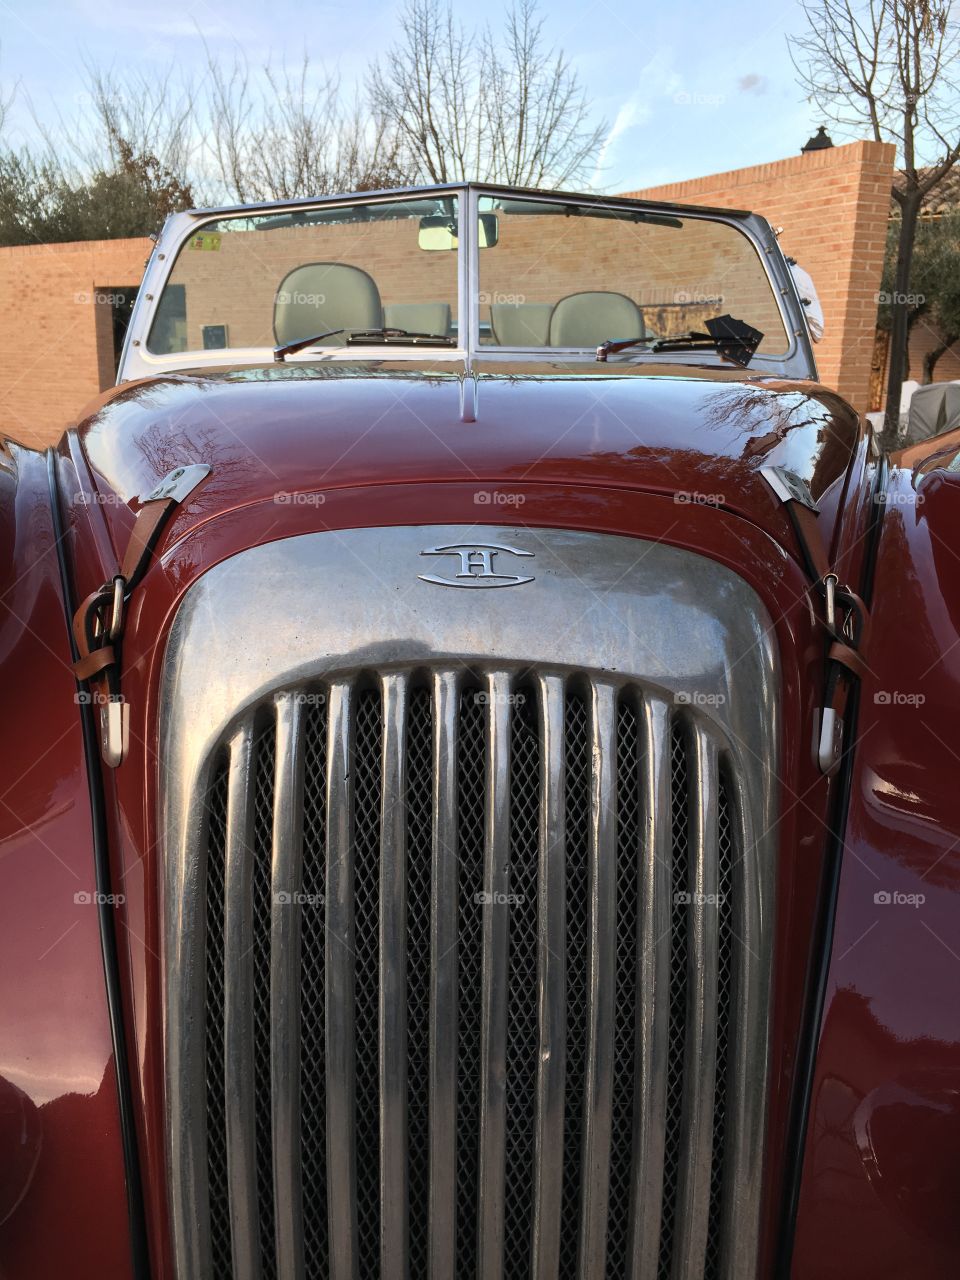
(368, 1071)
(544, 1207)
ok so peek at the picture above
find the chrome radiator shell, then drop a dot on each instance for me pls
(613, 618)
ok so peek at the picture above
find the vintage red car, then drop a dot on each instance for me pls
(480, 769)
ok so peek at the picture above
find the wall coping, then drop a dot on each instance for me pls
(850, 153)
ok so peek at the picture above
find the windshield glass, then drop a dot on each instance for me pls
(567, 275)
(271, 279)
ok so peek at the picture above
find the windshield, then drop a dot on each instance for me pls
(574, 276)
(273, 279)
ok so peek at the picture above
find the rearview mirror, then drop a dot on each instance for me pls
(438, 232)
(489, 230)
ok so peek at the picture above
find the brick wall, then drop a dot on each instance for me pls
(833, 206)
(55, 328)
(56, 343)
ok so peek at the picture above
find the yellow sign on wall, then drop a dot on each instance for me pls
(205, 240)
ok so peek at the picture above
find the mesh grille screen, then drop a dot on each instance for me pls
(726, 859)
(678, 994)
(262, 858)
(419, 817)
(216, 1102)
(522, 1014)
(522, 1023)
(366, 889)
(629, 835)
(470, 792)
(313, 1061)
(577, 765)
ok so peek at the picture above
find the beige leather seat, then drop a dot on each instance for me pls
(520, 324)
(418, 317)
(319, 296)
(587, 319)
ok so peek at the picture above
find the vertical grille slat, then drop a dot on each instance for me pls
(496, 942)
(551, 987)
(443, 981)
(394, 1194)
(481, 985)
(340, 985)
(752, 885)
(238, 1020)
(286, 886)
(601, 978)
(700, 1046)
(653, 989)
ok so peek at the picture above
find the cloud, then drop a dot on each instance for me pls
(629, 114)
(658, 78)
(752, 83)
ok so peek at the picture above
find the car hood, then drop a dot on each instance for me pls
(269, 432)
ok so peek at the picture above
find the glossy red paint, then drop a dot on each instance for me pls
(62, 1196)
(275, 430)
(669, 454)
(881, 1173)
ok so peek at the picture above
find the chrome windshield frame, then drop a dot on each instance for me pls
(136, 361)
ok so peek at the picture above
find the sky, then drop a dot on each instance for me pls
(687, 88)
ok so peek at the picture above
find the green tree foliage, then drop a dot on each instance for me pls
(934, 296)
(39, 203)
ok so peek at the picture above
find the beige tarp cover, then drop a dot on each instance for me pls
(933, 409)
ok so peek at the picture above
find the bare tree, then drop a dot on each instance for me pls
(538, 115)
(469, 105)
(279, 134)
(148, 115)
(427, 87)
(890, 67)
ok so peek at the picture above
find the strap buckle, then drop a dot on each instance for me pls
(830, 584)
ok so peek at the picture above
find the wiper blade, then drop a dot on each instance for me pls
(403, 337)
(290, 348)
(733, 339)
(366, 337)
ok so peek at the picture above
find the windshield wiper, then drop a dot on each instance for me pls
(289, 348)
(403, 337)
(733, 339)
(367, 337)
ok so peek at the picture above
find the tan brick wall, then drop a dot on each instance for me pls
(56, 347)
(55, 338)
(833, 206)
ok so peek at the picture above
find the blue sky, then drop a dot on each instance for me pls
(688, 88)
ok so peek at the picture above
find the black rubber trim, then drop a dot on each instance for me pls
(821, 950)
(136, 1215)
